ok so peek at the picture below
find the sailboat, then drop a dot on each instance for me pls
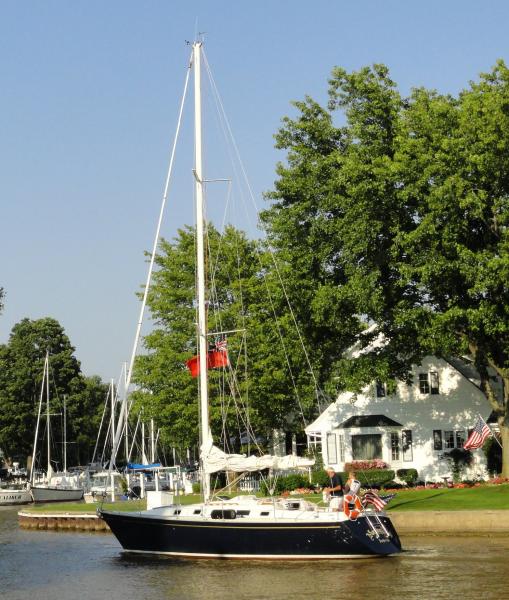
(54, 486)
(244, 527)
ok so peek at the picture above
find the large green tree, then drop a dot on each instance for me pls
(21, 371)
(399, 216)
(265, 387)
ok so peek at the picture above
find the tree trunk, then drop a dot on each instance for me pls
(504, 440)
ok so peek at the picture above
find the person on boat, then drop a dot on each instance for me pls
(335, 490)
(351, 477)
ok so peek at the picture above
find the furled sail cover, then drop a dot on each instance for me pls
(214, 459)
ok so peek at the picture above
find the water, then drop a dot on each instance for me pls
(46, 565)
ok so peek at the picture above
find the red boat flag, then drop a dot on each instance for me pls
(215, 359)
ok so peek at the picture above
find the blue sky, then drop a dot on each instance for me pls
(88, 105)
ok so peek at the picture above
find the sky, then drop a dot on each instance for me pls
(89, 96)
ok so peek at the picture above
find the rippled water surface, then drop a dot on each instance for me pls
(90, 566)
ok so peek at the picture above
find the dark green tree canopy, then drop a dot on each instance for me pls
(21, 372)
(399, 217)
(243, 300)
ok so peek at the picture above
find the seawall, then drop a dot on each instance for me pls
(460, 522)
(411, 522)
(67, 521)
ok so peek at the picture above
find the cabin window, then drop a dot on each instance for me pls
(449, 440)
(434, 384)
(423, 383)
(406, 439)
(366, 446)
(381, 390)
(437, 439)
(332, 452)
(394, 445)
(341, 448)
(243, 513)
(197, 512)
(264, 513)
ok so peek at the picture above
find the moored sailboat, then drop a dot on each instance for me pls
(244, 527)
(53, 486)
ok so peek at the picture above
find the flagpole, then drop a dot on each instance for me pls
(492, 434)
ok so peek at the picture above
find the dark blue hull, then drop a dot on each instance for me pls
(242, 539)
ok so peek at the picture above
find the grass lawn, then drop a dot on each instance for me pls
(485, 497)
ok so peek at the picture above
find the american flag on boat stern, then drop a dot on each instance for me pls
(371, 497)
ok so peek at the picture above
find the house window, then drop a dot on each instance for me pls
(314, 440)
(437, 439)
(332, 453)
(381, 391)
(423, 383)
(434, 387)
(460, 439)
(341, 448)
(394, 445)
(406, 439)
(449, 440)
(366, 447)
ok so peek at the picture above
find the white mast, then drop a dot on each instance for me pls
(48, 429)
(65, 435)
(206, 435)
(32, 471)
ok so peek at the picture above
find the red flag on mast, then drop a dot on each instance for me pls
(215, 359)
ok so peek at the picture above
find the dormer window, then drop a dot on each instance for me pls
(433, 378)
(423, 383)
(381, 390)
(429, 383)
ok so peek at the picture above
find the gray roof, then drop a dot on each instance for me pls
(369, 421)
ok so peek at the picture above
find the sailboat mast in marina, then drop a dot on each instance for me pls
(244, 527)
(56, 487)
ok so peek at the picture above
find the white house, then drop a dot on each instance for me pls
(412, 428)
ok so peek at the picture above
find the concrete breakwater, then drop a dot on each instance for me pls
(67, 521)
(469, 522)
(411, 522)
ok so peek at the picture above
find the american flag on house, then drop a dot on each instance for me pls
(480, 433)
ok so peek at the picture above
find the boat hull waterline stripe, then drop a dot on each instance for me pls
(259, 557)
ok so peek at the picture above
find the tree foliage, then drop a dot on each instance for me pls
(259, 390)
(21, 372)
(400, 217)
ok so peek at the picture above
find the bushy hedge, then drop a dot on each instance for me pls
(369, 478)
(322, 479)
(409, 476)
(376, 478)
(285, 483)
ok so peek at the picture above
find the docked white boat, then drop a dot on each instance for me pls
(14, 495)
(54, 487)
(60, 487)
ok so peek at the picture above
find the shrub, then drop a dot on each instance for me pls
(375, 477)
(460, 459)
(286, 483)
(322, 479)
(409, 476)
(392, 485)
